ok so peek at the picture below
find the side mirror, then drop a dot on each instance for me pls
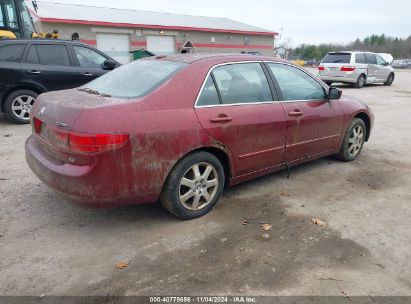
(109, 64)
(334, 93)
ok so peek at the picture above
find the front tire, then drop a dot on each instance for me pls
(193, 186)
(18, 105)
(360, 82)
(390, 80)
(353, 140)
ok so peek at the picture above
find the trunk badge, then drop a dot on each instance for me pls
(62, 124)
(42, 110)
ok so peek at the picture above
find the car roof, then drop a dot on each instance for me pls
(350, 52)
(224, 57)
(48, 40)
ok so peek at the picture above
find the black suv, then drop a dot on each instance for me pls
(33, 66)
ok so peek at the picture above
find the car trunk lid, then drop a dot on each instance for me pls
(54, 116)
(61, 108)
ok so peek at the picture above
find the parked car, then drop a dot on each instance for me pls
(180, 128)
(400, 64)
(34, 66)
(357, 68)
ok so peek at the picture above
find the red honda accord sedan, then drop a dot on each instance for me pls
(178, 129)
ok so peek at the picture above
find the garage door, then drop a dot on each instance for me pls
(115, 45)
(161, 44)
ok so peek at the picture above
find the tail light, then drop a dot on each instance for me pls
(79, 142)
(321, 68)
(86, 143)
(347, 68)
(36, 125)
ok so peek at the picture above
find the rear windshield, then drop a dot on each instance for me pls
(337, 58)
(133, 80)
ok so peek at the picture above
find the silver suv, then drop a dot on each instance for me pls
(358, 68)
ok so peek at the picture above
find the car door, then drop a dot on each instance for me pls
(314, 124)
(383, 69)
(50, 66)
(10, 66)
(236, 108)
(372, 69)
(89, 63)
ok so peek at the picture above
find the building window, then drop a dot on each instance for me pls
(247, 40)
(212, 39)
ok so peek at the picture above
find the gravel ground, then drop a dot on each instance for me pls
(52, 248)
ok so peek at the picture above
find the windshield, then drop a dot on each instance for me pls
(337, 58)
(133, 80)
(27, 25)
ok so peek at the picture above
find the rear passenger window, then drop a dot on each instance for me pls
(11, 52)
(53, 54)
(242, 83)
(209, 95)
(371, 58)
(32, 56)
(360, 58)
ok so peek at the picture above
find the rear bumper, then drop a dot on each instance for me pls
(347, 78)
(89, 185)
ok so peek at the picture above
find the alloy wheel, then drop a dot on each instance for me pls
(355, 141)
(198, 186)
(21, 106)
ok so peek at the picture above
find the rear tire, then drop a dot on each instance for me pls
(194, 186)
(353, 141)
(18, 104)
(390, 80)
(360, 82)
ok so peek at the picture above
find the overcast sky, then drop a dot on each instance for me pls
(313, 21)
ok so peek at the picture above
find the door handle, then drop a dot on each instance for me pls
(221, 118)
(88, 74)
(34, 72)
(296, 112)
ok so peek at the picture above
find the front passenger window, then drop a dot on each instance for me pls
(380, 60)
(295, 84)
(88, 58)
